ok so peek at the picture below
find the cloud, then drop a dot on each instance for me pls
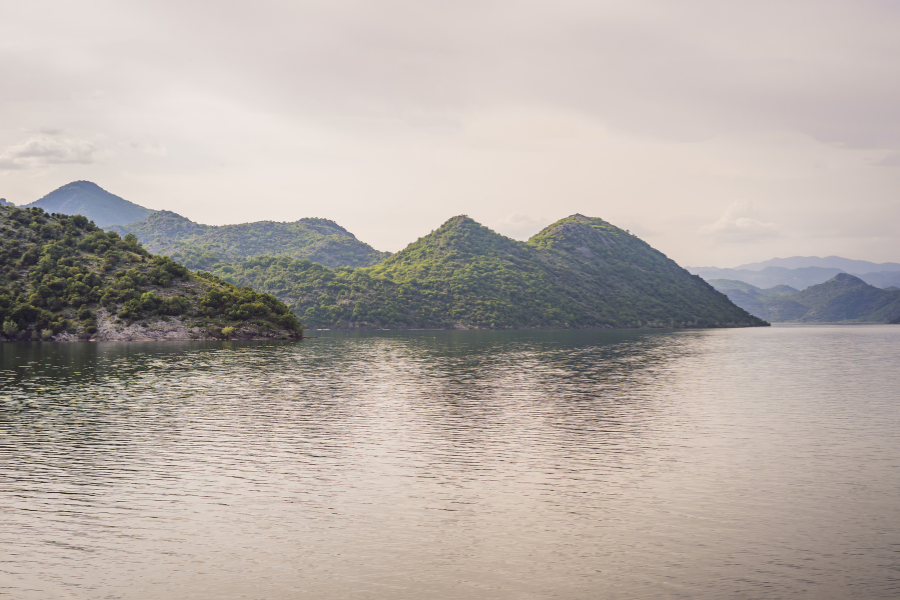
(739, 224)
(48, 149)
(388, 116)
(521, 227)
(151, 148)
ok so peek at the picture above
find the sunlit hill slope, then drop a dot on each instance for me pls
(579, 272)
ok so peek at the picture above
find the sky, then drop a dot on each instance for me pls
(719, 132)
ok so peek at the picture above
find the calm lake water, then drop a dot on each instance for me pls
(748, 463)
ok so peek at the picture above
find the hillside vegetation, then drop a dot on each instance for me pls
(62, 277)
(202, 246)
(578, 272)
(843, 298)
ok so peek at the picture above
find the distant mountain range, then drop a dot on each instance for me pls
(92, 201)
(845, 265)
(843, 298)
(800, 277)
(202, 246)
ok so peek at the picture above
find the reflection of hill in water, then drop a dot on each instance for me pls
(646, 464)
(457, 388)
(480, 385)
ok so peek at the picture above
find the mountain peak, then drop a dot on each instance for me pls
(460, 221)
(325, 226)
(457, 240)
(588, 235)
(89, 199)
(848, 298)
(848, 279)
(81, 184)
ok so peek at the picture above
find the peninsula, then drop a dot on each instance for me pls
(64, 278)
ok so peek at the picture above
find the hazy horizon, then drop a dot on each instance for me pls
(719, 134)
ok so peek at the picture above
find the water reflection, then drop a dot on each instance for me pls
(453, 464)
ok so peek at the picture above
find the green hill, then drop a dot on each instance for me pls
(579, 272)
(843, 298)
(92, 201)
(63, 278)
(849, 298)
(202, 246)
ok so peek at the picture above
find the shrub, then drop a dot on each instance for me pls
(30, 257)
(131, 310)
(150, 302)
(227, 332)
(10, 329)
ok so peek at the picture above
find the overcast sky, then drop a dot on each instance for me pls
(720, 132)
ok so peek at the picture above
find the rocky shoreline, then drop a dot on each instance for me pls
(110, 328)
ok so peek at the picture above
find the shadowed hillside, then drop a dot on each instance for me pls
(843, 298)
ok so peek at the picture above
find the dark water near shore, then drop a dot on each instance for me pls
(752, 463)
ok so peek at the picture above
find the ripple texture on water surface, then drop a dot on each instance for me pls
(751, 463)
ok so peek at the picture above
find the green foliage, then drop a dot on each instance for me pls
(241, 304)
(201, 246)
(57, 272)
(578, 272)
(10, 328)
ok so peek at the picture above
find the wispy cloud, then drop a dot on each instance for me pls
(740, 223)
(48, 149)
(152, 148)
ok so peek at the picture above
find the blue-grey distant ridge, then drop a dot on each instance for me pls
(800, 277)
(92, 201)
(847, 265)
(842, 299)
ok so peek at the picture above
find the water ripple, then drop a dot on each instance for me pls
(758, 463)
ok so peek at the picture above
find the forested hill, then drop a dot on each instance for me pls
(202, 246)
(63, 278)
(578, 272)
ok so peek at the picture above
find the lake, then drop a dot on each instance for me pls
(737, 463)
